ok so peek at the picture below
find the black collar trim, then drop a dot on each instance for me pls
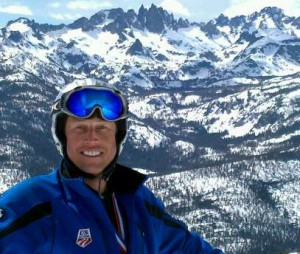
(123, 180)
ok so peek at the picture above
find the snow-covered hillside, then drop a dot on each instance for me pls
(214, 110)
(240, 206)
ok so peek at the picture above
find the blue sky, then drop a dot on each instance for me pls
(66, 11)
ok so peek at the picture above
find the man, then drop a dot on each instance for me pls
(91, 204)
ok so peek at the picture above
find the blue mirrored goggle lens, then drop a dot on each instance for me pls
(82, 103)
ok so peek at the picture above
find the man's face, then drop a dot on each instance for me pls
(91, 143)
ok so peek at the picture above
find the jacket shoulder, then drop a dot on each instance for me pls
(149, 197)
(37, 183)
(30, 192)
(21, 206)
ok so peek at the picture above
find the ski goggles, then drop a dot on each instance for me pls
(83, 102)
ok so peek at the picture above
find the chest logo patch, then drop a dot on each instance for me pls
(84, 237)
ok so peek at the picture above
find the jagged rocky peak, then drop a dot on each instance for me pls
(21, 20)
(222, 20)
(274, 13)
(183, 23)
(83, 23)
(13, 32)
(118, 20)
(14, 26)
(238, 21)
(156, 19)
(153, 19)
(136, 48)
(119, 23)
(36, 27)
(116, 13)
(99, 17)
(142, 14)
(270, 13)
(244, 23)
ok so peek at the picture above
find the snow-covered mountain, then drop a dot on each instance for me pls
(215, 110)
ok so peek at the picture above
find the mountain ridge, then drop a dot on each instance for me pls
(214, 102)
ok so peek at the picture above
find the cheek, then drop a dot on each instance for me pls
(110, 143)
(69, 148)
(114, 147)
(72, 143)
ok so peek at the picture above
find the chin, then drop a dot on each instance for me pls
(93, 170)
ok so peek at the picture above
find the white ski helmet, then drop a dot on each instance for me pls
(59, 116)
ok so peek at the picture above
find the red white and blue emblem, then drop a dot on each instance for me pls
(84, 237)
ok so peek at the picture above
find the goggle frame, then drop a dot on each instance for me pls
(61, 104)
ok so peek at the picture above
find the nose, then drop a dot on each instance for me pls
(91, 135)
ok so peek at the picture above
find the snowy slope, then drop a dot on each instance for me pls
(214, 110)
(225, 203)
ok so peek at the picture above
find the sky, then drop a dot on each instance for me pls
(66, 11)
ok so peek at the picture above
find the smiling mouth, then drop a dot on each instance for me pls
(91, 153)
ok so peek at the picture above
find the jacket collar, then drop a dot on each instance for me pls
(123, 180)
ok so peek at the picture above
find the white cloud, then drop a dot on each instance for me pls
(175, 7)
(65, 16)
(55, 5)
(246, 7)
(16, 9)
(87, 5)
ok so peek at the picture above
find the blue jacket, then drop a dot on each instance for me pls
(54, 214)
